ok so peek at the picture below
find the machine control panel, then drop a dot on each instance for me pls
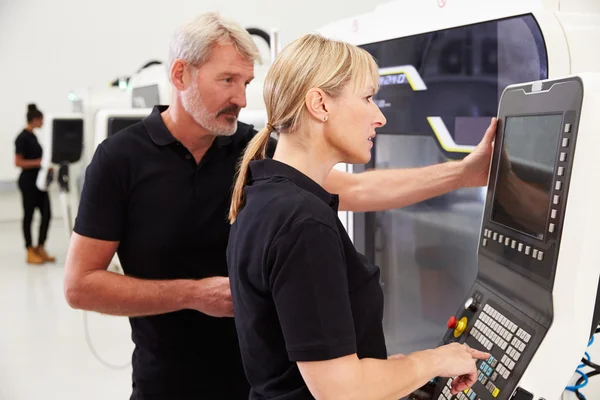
(529, 260)
(493, 326)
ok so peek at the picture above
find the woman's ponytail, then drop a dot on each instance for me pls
(255, 150)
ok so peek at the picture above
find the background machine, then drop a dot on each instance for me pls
(63, 136)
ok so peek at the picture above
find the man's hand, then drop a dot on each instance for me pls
(214, 297)
(476, 166)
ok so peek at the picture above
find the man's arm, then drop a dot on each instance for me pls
(89, 286)
(396, 188)
(101, 219)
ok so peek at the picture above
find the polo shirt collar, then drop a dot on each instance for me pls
(269, 168)
(160, 134)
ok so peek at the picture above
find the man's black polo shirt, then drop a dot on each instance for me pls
(144, 189)
(301, 291)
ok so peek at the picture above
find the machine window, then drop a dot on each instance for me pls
(439, 91)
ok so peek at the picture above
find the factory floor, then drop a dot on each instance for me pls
(43, 349)
(45, 352)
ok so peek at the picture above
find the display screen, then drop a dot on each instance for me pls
(116, 124)
(145, 96)
(67, 140)
(526, 173)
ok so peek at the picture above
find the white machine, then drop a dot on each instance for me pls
(63, 137)
(150, 86)
(444, 66)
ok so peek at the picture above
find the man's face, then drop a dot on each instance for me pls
(217, 90)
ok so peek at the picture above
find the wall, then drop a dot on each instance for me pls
(48, 48)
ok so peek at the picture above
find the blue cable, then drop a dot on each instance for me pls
(583, 374)
(585, 382)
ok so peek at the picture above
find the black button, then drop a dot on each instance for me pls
(188, 156)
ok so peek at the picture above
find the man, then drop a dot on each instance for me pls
(159, 193)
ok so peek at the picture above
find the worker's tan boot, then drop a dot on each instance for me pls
(33, 257)
(44, 255)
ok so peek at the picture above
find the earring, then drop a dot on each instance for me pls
(325, 119)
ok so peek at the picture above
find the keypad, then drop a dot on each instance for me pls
(494, 331)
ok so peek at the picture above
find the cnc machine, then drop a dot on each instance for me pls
(444, 66)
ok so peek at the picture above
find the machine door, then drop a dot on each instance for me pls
(439, 91)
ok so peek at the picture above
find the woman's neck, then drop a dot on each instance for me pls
(29, 128)
(312, 161)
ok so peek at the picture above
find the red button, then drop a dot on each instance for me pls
(452, 323)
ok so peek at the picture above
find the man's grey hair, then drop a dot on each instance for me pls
(192, 42)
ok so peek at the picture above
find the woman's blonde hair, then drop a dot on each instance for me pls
(309, 62)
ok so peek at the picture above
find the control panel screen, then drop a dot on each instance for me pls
(526, 173)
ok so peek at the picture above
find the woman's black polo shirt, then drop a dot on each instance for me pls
(145, 190)
(301, 291)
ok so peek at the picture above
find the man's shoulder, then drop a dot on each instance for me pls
(123, 141)
(245, 133)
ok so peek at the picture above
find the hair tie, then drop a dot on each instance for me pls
(271, 128)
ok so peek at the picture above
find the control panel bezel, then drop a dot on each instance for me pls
(532, 257)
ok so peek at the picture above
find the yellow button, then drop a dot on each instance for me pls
(496, 392)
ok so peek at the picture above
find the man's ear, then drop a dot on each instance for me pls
(316, 104)
(178, 73)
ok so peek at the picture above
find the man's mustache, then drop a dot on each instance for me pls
(233, 110)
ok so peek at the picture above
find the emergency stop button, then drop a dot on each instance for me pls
(452, 323)
(459, 326)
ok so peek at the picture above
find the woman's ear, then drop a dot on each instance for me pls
(316, 104)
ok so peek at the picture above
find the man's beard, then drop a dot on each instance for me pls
(194, 105)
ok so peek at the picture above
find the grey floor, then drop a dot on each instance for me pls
(44, 350)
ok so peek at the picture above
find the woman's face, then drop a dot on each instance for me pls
(353, 118)
(37, 122)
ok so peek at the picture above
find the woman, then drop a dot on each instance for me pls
(28, 157)
(308, 307)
